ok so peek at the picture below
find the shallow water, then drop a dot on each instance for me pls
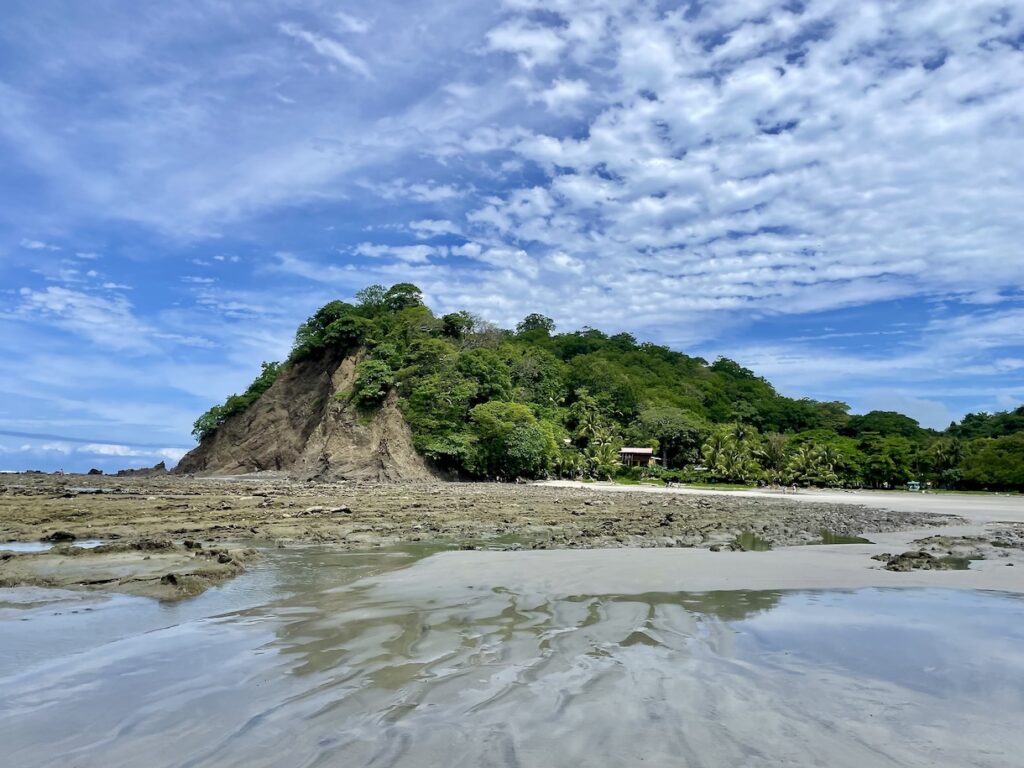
(748, 541)
(829, 537)
(46, 546)
(314, 658)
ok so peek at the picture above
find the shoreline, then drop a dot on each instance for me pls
(689, 534)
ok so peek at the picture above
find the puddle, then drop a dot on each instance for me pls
(46, 546)
(749, 541)
(828, 537)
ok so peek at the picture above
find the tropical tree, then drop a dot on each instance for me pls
(535, 322)
(602, 460)
(811, 465)
(713, 450)
(373, 380)
(489, 371)
(773, 455)
(569, 462)
(679, 433)
(509, 441)
(735, 464)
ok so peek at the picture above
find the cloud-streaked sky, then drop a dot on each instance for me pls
(831, 193)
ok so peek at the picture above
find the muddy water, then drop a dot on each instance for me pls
(315, 658)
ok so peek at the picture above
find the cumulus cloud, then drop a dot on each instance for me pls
(564, 95)
(787, 158)
(532, 43)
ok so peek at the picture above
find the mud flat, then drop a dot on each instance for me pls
(270, 511)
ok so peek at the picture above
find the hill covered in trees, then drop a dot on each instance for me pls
(486, 402)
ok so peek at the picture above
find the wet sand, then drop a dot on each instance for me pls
(351, 659)
(567, 573)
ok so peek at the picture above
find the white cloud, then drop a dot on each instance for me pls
(410, 254)
(329, 48)
(564, 95)
(107, 321)
(38, 245)
(533, 44)
(427, 228)
(125, 451)
(64, 449)
(421, 192)
(349, 23)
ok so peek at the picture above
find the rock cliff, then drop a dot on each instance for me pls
(304, 424)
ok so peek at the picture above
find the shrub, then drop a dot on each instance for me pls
(373, 381)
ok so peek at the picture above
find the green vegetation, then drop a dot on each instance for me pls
(486, 402)
(207, 423)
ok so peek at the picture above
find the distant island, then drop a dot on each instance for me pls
(384, 389)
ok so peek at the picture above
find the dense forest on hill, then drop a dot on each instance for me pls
(493, 403)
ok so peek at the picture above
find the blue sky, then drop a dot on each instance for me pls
(829, 192)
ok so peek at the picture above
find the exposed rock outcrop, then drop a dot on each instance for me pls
(305, 425)
(156, 469)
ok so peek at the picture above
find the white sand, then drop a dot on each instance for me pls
(976, 508)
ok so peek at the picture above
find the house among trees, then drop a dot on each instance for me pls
(637, 457)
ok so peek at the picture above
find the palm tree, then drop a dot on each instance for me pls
(947, 454)
(735, 463)
(602, 460)
(712, 450)
(568, 463)
(590, 425)
(812, 464)
(773, 454)
(741, 432)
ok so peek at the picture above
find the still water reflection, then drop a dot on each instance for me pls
(311, 660)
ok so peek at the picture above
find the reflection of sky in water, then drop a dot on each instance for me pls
(346, 672)
(37, 625)
(941, 642)
(45, 546)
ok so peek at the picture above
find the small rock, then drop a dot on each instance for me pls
(57, 536)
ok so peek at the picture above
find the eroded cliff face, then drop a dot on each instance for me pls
(305, 425)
